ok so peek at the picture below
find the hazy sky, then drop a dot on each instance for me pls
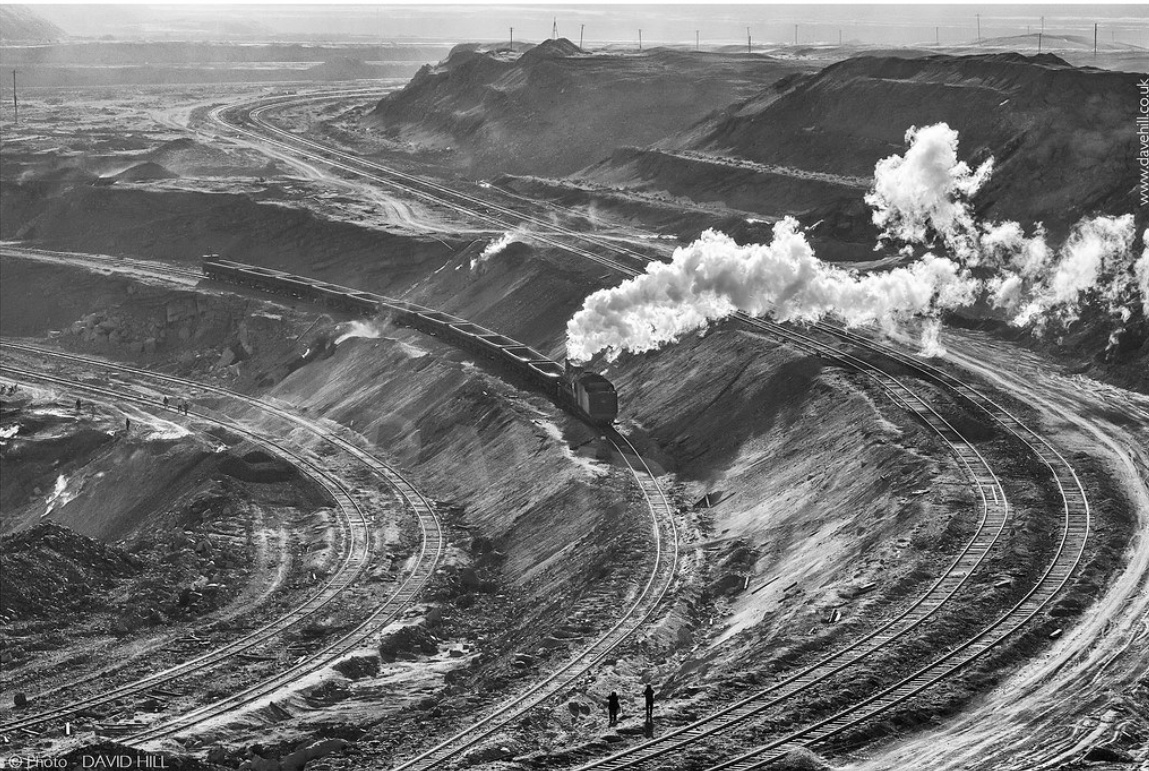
(660, 23)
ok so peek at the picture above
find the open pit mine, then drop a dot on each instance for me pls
(514, 388)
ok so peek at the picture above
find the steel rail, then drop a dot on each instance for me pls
(665, 560)
(432, 540)
(355, 532)
(1076, 520)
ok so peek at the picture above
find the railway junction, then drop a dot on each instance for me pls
(448, 544)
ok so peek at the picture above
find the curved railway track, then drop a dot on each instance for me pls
(430, 552)
(1074, 533)
(665, 560)
(140, 267)
(1075, 520)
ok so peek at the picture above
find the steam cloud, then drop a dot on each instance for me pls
(365, 329)
(495, 247)
(928, 188)
(919, 198)
(1141, 271)
(715, 277)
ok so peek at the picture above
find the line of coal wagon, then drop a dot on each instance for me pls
(588, 395)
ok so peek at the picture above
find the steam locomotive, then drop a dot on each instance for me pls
(588, 395)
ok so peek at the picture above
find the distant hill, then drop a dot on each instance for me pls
(19, 24)
(1061, 135)
(553, 109)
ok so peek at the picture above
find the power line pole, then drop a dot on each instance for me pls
(1039, 42)
(1095, 40)
(555, 29)
(749, 48)
(937, 37)
(512, 44)
(839, 37)
(15, 104)
(581, 29)
(640, 41)
(696, 48)
(979, 28)
(795, 34)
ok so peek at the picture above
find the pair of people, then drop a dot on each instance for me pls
(613, 704)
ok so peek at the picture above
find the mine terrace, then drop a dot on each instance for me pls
(527, 388)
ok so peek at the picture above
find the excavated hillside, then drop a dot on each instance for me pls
(554, 109)
(1062, 138)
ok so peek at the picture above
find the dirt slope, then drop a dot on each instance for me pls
(21, 24)
(1061, 136)
(553, 110)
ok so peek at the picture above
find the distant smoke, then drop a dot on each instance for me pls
(715, 277)
(1096, 260)
(495, 247)
(926, 190)
(366, 329)
(918, 196)
(1141, 271)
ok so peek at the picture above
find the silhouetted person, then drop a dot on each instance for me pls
(79, 405)
(612, 707)
(649, 695)
(165, 402)
(185, 408)
(127, 425)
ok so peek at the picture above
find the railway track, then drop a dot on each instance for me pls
(1075, 521)
(481, 208)
(427, 559)
(665, 560)
(139, 267)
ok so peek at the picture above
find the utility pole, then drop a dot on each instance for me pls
(839, 38)
(937, 37)
(640, 41)
(581, 29)
(1095, 40)
(1043, 25)
(696, 40)
(555, 29)
(979, 28)
(15, 104)
(795, 34)
(1039, 42)
(512, 39)
(749, 48)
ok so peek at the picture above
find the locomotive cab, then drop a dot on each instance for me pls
(593, 393)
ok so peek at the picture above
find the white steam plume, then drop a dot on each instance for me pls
(928, 189)
(366, 329)
(922, 193)
(495, 247)
(1141, 271)
(1096, 259)
(715, 277)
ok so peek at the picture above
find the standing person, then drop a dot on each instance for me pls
(165, 402)
(649, 695)
(127, 424)
(612, 707)
(79, 405)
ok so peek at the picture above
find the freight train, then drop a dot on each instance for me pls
(588, 395)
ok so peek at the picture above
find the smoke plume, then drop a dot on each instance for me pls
(1141, 271)
(1096, 260)
(922, 197)
(928, 190)
(365, 329)
(715, 277)
(495, 247)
